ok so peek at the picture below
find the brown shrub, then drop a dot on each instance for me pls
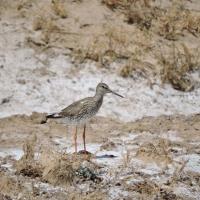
(125, 4)
(146, 187)
(142, 14)
(9, 185)
(175, 20)
(47, 26)
(104, 48)
(27, 164)
(177, 65)
(59, 8)
(58, 170)
(156, 152)
(39, 23)
(136, 11)
(137, 68)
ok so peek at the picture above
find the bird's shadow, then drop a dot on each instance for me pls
(105, 156)
(83, 152)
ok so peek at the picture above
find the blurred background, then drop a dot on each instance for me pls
(55, 52)
(144, 146)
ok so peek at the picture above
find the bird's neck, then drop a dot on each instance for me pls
(98, 96)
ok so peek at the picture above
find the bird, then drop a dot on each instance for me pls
(83, 110)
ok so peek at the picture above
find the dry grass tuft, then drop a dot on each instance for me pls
(133, 65)
(48, 28)
(121, 4)
(27, 164)
(8, 184)
(142, 14)
(59, 8)
(39, 23)
(112, 4)
(178, 173)
(126, 157)
(136, 11)
(24, 4)
(188, 178)
(92, 50)
(175, 20)
(114, 45)
(168, 23)
(63, 169)
(54, 167)
(58, 170)
(166, 195)
(158, 152)
(192, 23)
(146, 188)
(135, 68)
(177, 66)
(105, 48)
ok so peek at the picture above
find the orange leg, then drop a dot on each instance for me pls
(75, 139)
(84, 137)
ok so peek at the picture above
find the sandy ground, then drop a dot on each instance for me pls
(150, 158)
(145, 146)
(46, 78)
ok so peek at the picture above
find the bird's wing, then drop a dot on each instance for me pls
(76, 108)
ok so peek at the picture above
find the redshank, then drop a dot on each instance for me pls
(81, 111)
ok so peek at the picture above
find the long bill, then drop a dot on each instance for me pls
(116, 94)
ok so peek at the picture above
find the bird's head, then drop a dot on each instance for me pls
(103, 88)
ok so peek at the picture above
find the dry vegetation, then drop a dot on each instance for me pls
(169, 23)
(143, 39)
(27, 165)
(131, 36)
(157, 151)
(176, 67)
(44, 172)
(176, 20)
(54, 167)
(59, 8)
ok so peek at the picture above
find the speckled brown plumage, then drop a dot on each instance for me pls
(82, 110)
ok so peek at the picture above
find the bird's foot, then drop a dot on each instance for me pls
(85, 152)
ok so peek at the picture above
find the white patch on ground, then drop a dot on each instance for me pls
(116, 193)
(8, 166)
(62, 142)
(151, 169)
(130, 136)
(16, 153)
(193, 163)
(172, 136)
(47, 187)
(185, 192)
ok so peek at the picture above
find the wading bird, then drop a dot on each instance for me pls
(81, 111)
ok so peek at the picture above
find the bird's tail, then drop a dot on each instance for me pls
(53, 116)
